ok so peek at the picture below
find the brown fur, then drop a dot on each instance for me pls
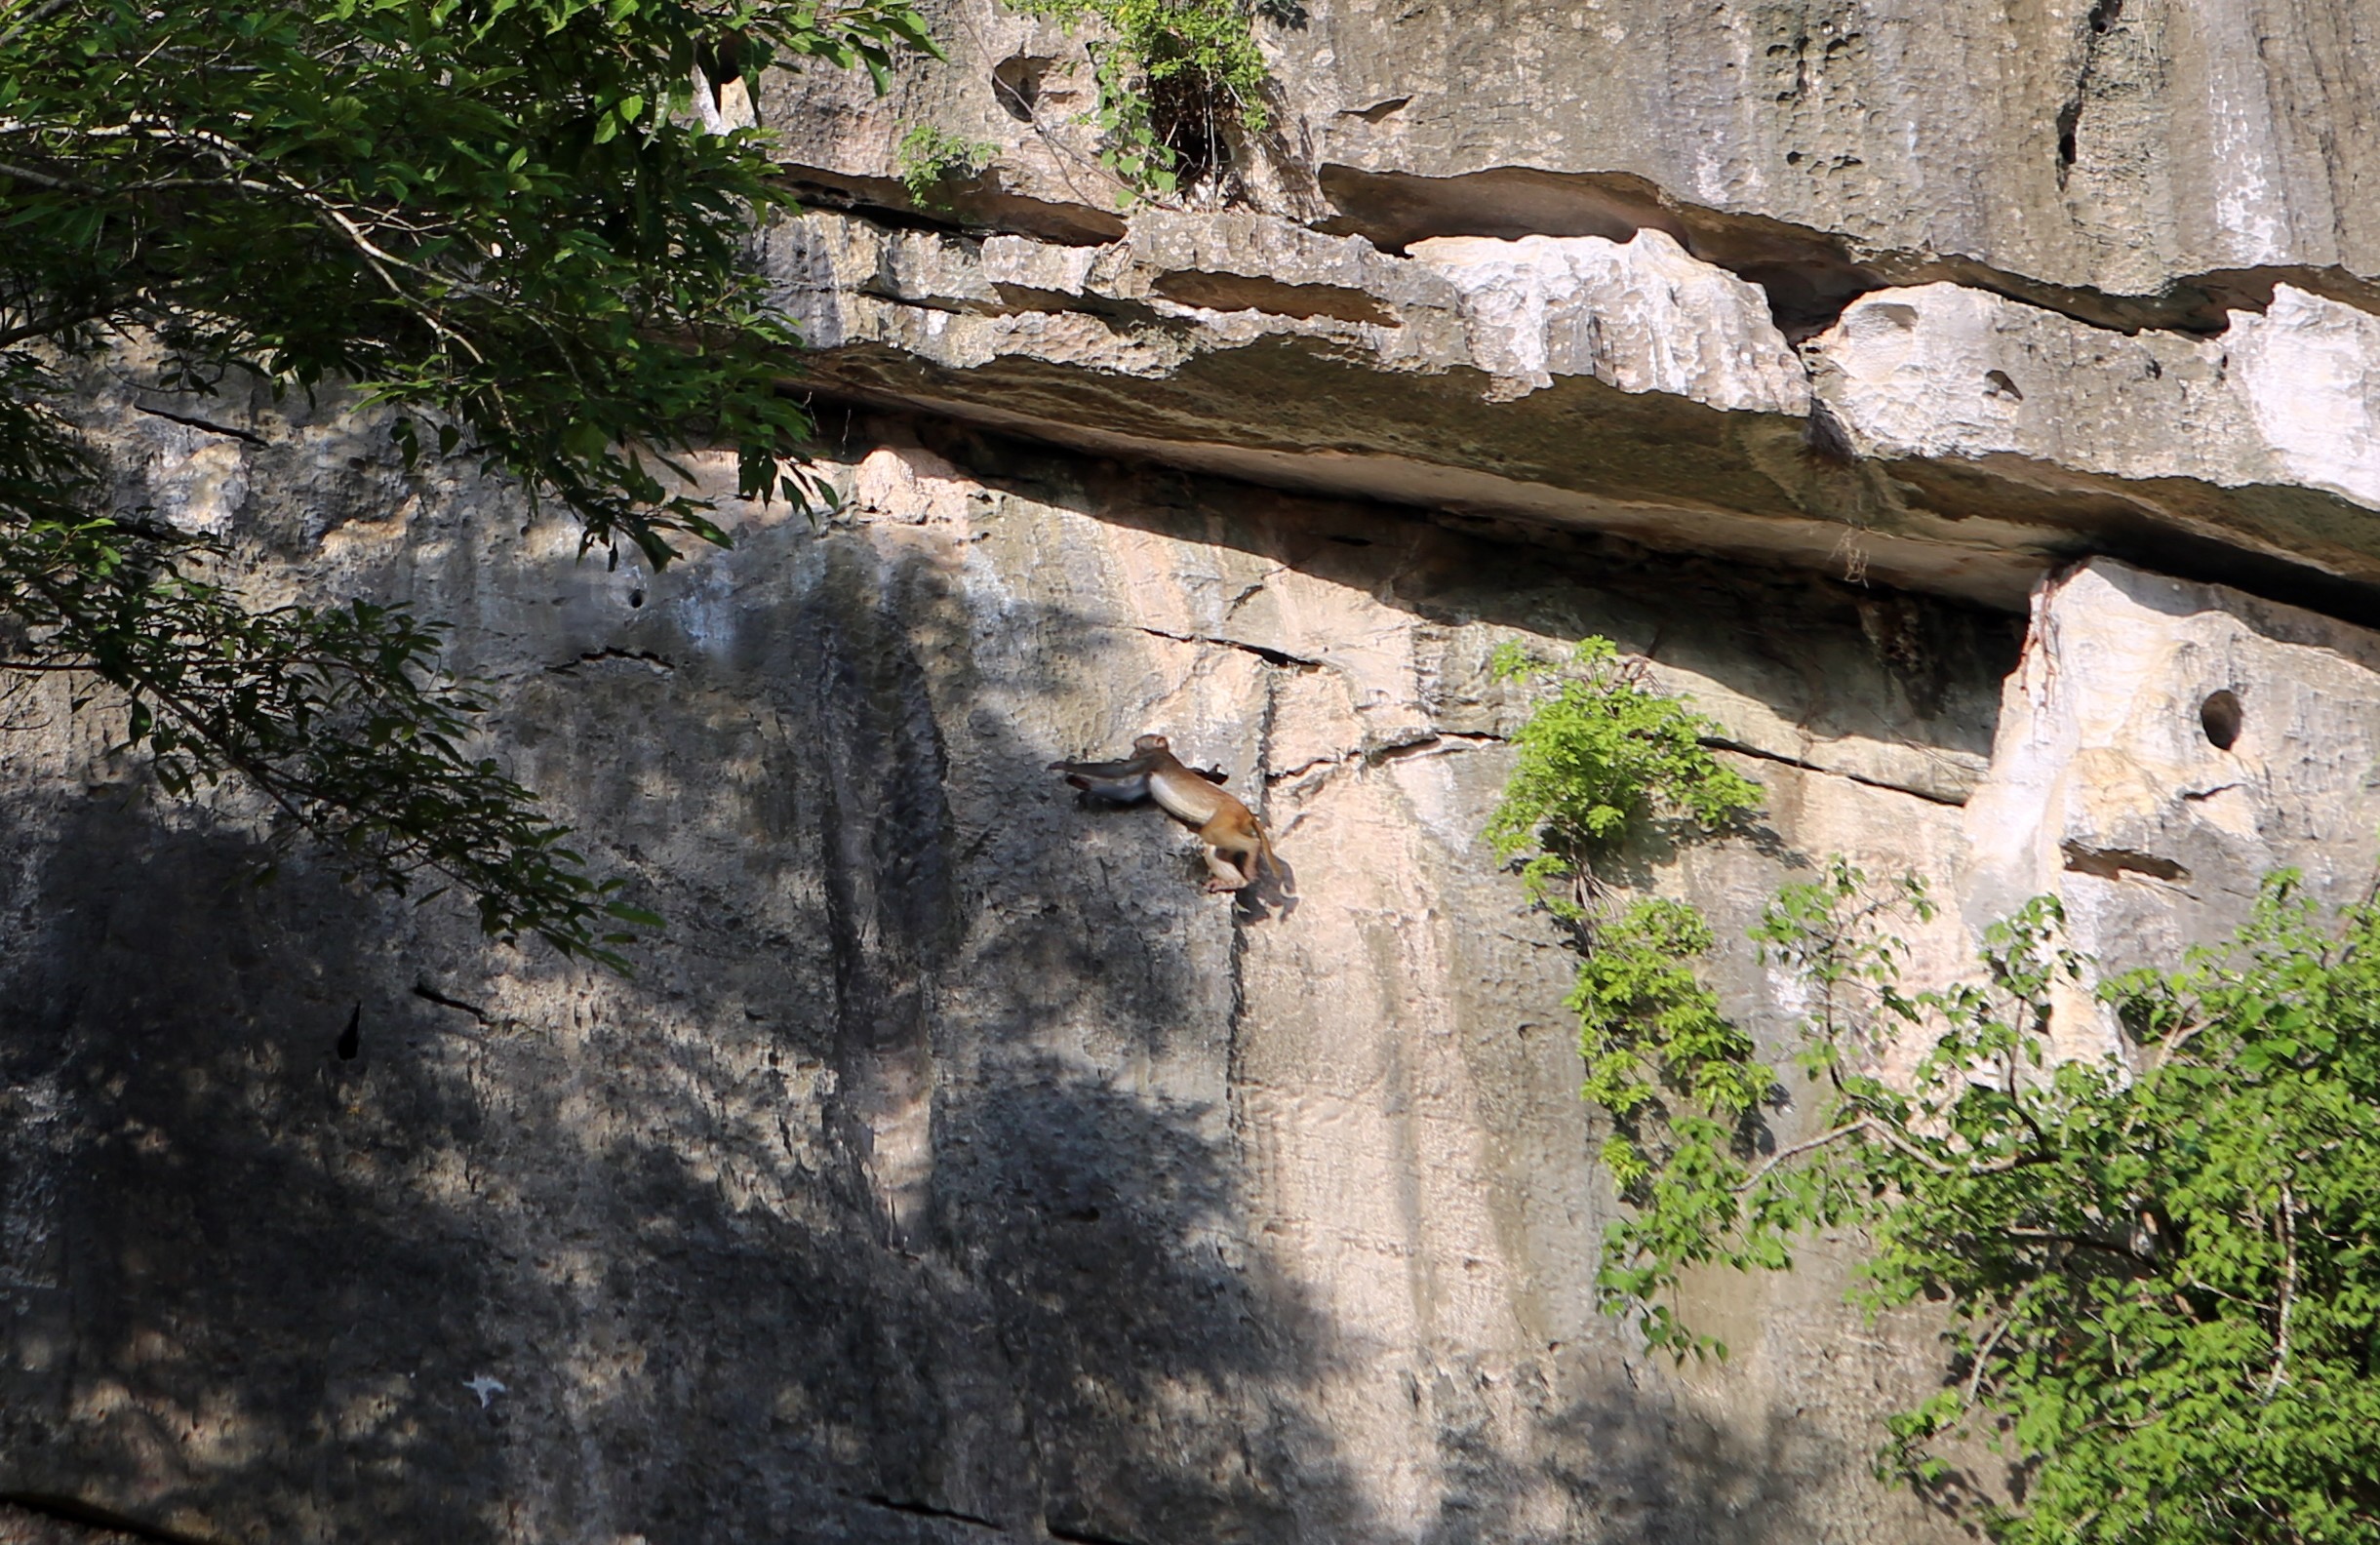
(1191, 796)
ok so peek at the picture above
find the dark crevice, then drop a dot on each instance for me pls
(1016, 83)
(926, 1511)
(429, 994)
(1809, 275)
(1079, 1536)
(2222, 717)
(2069, 119)
(204, 425)
(2114, 863)
(659, 662)
(974, 209)
(1422, 744)
(2103, 16)
(74, 1510)
(1270, 657)
(1228, 291)
(1117, 313)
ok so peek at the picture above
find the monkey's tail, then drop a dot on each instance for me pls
(1265, 846)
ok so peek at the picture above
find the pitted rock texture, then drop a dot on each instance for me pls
(2120, 301)
(2163, 747)
(2142, 158)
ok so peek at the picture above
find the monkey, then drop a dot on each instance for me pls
(1191, 796)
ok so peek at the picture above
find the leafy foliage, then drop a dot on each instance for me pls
(2162, 1272)
(493, 217)
(929, 156)
(1605, 751)
(1174, 77)
(1678, 1079)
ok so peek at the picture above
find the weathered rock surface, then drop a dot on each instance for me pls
(956, 1165)
(2163, 747)
(2124, 209)
(2144, 159)
(955, 1169)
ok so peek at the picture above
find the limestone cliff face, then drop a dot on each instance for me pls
(955, 1169)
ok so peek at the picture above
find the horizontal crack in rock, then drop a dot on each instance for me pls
(1076, 1536)
(926, 1510)
(2114, 863)
(204, 425)
(1271, 657)
(1222, 291)
(659, 662)
(74, 1510)
(1809, 274)
(975, 207)
(1439, 741)
(1741, 748)
(1396, 751)
(429, 994)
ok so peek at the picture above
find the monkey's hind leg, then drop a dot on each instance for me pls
(1227, 874)
(1240, 870)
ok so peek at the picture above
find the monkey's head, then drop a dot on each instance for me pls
(1151, 742)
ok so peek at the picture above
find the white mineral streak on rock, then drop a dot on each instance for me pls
(2290, 396)
(2108, 790)
(1640, 315)
(2245, 129)
(2310, 369)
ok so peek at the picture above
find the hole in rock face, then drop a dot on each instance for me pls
(2220, 717)
(1186, 113)
(1017, 84)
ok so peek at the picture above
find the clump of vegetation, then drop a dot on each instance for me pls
(930, 157)
(1175, 78)
(2161, 1269)
(1605, 753)
(1677, 1078)
(1609, 750)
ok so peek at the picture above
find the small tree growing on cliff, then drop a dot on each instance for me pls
(2161, 1273)
(494, 217)
(1608, 754)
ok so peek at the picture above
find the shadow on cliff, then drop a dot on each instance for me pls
(224, 1277)
(306, 1246)
(513, 1283)
(1829, 657)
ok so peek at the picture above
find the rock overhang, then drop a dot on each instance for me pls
(1936, 436)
